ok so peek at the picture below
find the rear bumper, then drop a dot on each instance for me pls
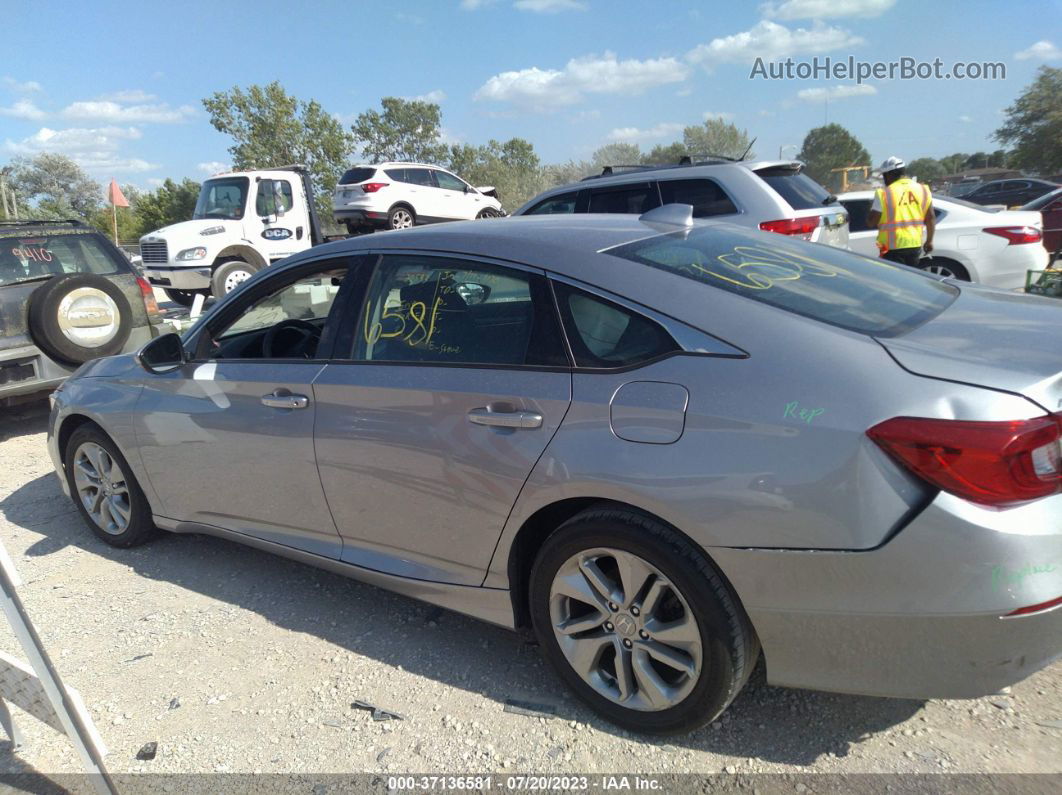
(178, 277)
(921, 616)
(362, 216)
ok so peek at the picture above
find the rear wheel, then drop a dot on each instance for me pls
(639, 623)
(181, 297)
(104, 490)
(230, 275)
(400, 218)
(945, 267)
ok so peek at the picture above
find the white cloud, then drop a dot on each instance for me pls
(472, 5)
(94, 149)
(129, 95)
(654, 133)
(823, 9)
(771, 41)
(836, 92)
(965, 119)
(720, 116)
(23, 109)
(436, 96)
(547, 89)
(212, 167)
(1041, 51)
(109, 111)
(549, 6)
(766, 114)
(20, 87)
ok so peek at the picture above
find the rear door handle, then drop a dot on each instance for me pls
(288, 401)
(505, 419)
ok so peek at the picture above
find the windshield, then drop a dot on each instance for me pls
(828, 284)
(53, 253)
(222, 198)
(797, 188)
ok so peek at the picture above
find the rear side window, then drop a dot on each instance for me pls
(556, 205)
(605, 335)
(870, 296)
(54, 254)
(797, 188)
(706, 196)
(356, 175)
(635, 199)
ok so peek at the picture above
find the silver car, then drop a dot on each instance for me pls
(772, 195)
(667, 447)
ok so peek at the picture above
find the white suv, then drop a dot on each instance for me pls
(399, 195)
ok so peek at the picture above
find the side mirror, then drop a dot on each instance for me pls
(163, 354)
(472, 293)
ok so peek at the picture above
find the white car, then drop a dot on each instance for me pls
(972, 243)
(400, 195)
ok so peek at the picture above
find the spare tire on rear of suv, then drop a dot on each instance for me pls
(79, 316)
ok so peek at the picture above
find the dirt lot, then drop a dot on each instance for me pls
(234, 660)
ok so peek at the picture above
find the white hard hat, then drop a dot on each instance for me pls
(891, 164)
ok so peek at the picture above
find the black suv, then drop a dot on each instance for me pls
(67, 295)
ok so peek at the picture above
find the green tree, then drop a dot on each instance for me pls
(53, 186)
(665, 154)
(565, 173)
(1033, 128)
(616, 154)
(926, 169)
(170, 203)
(271, 128)
(953, 164)
(512, 167)
(407, 129)
(828, 147)
(716, 137)
(976, 160)
(128, 220)
(998, 159)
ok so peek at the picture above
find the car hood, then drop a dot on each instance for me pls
(110, 367)
(992, 338)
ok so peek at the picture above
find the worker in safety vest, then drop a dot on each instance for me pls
(903, 213)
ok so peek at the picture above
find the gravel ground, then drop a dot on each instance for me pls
(233, 660)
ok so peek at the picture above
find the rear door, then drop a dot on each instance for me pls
(456, 382)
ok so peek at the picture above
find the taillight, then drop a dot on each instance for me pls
(148, 294)
(1015, 235)
(992, 463)
(372, 187)
(799, 227)
(1037, 608)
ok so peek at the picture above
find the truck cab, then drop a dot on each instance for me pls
(243, 221)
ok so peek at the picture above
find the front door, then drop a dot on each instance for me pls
(227, 440)
(281, 219)
(457, 381)
(453, 201)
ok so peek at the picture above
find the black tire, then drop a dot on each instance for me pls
(487, 212)
(398, 215)
(140, 528)
(227, 276)
(729, 644)
(102, 295)
(180, 297)
(939, 264)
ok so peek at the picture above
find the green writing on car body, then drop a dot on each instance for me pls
(1000, 575)
(793, 411)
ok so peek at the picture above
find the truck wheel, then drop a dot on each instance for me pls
(400, 218)
(230, 275)
(180, 297)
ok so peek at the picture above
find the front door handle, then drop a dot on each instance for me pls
(278, 400)
(505, 419)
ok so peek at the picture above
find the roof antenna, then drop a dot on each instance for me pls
(746, 152)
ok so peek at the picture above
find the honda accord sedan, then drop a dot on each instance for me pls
(667, 447)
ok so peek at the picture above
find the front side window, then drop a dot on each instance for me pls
(288, 323)
(52, 254)
(448, 181)
(222, 198)
(831, 285)
(603, 334)
(448, 311)
(556, 205)
(635, 199)
(706, 196)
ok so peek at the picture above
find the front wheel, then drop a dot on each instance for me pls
(639, 623)
(944, 267)
(105, 491)
(230, 275)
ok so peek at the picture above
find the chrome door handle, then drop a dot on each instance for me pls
(505, 419)
(276, 401)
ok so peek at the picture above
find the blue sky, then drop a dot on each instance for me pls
(118, 86)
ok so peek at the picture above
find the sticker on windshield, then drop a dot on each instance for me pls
(36, 253)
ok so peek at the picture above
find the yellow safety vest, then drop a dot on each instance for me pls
(904, 205)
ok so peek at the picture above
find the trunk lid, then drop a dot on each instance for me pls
(992, 338)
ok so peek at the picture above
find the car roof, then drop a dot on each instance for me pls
(17, 228)
(639, 173)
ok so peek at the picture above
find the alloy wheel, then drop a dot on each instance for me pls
(401, 219)
(625, 629)
(102, 488)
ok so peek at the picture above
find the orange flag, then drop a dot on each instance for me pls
(115, 195)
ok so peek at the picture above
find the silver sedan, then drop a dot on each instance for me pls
(669, 448)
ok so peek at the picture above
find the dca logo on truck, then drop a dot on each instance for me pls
(276, 233)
